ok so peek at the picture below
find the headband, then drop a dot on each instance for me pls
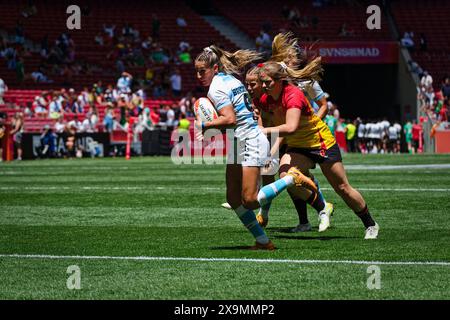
(283, 65)
(208, 50)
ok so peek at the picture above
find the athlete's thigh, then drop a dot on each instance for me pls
(250, 181)
(292, 159)
(335, 173)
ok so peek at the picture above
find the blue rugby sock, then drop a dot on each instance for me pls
(320, 194)
(269, 192)
(248, 218)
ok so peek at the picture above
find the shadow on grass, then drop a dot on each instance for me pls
(322, 238)
(231, 248)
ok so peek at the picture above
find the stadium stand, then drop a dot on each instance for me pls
(329, 18)
(51, 17)
(431, 19)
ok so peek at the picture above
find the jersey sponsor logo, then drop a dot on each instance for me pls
(238, 90)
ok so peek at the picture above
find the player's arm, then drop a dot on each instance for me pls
(276, 146)
(323, 107)
(291, 125)
(226, 119)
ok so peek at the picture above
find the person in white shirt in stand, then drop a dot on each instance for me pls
(75, 123)
(181, 22)
(175, 81)
(3, 89)
(124, 82)
(426, 81)
(59, 126)
(170, 116)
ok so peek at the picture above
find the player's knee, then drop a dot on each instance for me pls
(250, 200)
(343, 189)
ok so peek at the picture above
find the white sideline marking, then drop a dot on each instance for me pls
(142, 189)
(144, 258)
(396, 167)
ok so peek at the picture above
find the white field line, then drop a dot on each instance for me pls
(151, 188)
(281, 261)
(347, 167)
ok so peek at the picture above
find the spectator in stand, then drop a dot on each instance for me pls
(137, 103)
(185, 57)
(175, 83)
(443, 113)
(55, 107)
(145, 121)
(162, 115)
(16, 132)
(10, 54)
(39, 106)
(109, 30)
(20, 35)
(181, 22)
(39, 76)
(426, 81)
(445, 88)
(110, 94)
(99, 39)
(429, 94)
(415, 68)
(407, 40)
(74, 124)
(124, 83)
(263, 43)
(3, 89)
(108, 120)
(416, 137)
(29, 10)
(170, 114)
(186, 104)
(83, 98)
(147, 43)
(2, 132)
(59, 126)
(345, 32)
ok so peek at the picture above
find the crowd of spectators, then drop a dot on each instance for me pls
(55, 60)
(129, 48)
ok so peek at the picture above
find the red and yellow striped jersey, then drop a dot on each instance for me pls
(312, 132)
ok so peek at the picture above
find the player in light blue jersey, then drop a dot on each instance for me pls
(314, 93)
(215, 68)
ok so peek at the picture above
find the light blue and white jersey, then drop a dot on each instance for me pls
(226, 90)
(313, 93)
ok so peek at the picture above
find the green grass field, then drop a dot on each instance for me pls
(148, 207)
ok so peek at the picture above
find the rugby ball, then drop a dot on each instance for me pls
(204, 109)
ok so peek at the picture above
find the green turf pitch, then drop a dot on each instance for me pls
(149, 207)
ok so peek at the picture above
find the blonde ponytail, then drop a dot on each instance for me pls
(230, 63)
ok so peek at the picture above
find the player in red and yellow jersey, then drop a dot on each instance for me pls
(308, 138)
